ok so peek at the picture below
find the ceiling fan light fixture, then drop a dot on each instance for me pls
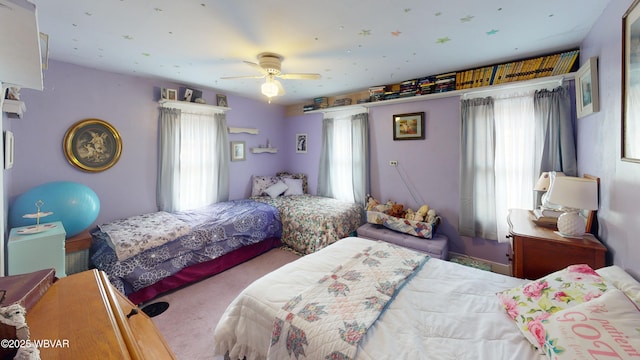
(269, 89)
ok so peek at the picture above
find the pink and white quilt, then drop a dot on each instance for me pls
(329, 318)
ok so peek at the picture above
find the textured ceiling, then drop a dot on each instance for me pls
(351, 44)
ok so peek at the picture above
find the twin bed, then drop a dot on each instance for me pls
(150, 254)
(439, 310)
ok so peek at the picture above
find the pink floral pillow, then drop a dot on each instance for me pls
(605, 328)
(536, 301)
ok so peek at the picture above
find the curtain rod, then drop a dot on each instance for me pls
(527, 85)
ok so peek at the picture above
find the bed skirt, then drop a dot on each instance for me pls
(203, 270)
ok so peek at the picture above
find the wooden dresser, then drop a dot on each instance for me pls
(539, 251)
(84, 317)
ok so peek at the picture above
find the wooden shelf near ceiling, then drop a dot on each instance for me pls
(297, 109)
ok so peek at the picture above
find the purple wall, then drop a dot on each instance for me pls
(429, 167)
(73, 93)
(599, 144)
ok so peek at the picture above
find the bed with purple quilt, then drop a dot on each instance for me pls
(150, 254)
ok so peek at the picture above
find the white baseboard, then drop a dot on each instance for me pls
(504, 269)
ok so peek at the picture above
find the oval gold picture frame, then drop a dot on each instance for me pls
(92, 145)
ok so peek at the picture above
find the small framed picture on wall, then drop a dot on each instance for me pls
(408, 126)
(237, 151)
(301, 143)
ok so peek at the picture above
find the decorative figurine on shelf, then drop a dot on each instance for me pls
(13, 93)
(268, 143)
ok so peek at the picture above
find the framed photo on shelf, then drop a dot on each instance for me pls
(587, 101)
(92, 145)
(221, 100)
(169, 94)
(188, 95)
(408, 126)
(237, 151)
(172, 94)
(301, 143)
(631, 83)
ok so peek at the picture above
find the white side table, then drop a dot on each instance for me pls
(30, 250)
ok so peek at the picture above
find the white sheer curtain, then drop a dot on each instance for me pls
(344, 159)
(515, 159)
(194, 159)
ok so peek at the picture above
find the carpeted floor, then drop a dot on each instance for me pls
(189, 322)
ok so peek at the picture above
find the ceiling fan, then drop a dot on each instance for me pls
(269, 65)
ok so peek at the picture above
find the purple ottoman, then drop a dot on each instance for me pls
(436, 247)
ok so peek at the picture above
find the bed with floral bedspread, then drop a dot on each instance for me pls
(311, 222)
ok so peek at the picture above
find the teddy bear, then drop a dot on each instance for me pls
(396, 210)
(409, 214)
(421, 213)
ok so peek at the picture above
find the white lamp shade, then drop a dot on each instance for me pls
(545, 180)
(269, 89)
(574, 193)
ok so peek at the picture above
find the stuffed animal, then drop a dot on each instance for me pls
(431, 216)
(409, 214)
(421, 213)
(397, 210)
(372, 203)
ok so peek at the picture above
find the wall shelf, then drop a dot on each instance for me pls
(238, 130)
(14, 108)
(186, 105)
(260, 150)
(462, 92)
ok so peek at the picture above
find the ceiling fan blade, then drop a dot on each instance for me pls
(280, 87)
(243, 77)
(257, 67)
(300, 76)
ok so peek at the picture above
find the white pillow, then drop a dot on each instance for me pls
(295, 186)
(622, 280)
(602, 328)
(276, 189)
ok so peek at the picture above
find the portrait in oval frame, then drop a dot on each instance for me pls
(92, 145)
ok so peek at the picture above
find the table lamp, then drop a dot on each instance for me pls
(543, 184)
(573, 194)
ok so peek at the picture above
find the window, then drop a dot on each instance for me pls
(506, 142)
(194, 159)
(344, 161)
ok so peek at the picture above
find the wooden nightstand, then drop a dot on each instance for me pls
(539, 251)
(77, 252)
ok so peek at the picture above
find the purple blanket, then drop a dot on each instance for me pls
(215, 230)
